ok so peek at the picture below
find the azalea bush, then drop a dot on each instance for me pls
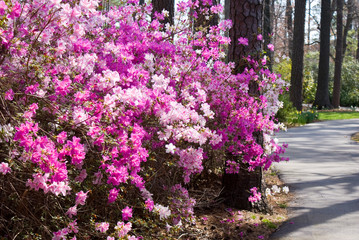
(107, 116)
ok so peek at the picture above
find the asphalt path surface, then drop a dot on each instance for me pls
(323, 173)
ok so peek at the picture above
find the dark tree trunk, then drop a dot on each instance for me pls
(322, 95)
(268, 29)
(348, 25)
(296, 81)
(289, 24)
(169, 5)
(338, 55)
(246, 16)
(142, 2)
(236, 187)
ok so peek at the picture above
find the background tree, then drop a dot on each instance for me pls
(268, 28)
(289, 26)
(246, 16)
(322, 93)
(169, 5)
(338, 55)
(296, 87)
(349, 23)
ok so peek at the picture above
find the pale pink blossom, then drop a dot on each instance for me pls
(4, 168)
(102, 227)
(72, 211)
(270, 47)
(81, 197)
(163, 211)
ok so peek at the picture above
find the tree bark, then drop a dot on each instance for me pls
(296, 81)
(322, 95)
(348, 25)
(309, 20)
(338, 55)
(142, 2)
(357, 54)
(268, 29)
(289, 24)
(246, 16)
(169, 5)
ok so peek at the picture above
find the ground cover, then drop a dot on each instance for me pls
(216, 221)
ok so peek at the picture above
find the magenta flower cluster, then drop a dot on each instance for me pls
(116, 87)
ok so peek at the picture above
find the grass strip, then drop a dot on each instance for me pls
(337, 115)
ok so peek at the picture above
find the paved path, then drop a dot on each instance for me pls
(324, 175)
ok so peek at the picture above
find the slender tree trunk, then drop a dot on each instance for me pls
(268, 29)
(246, 16)
(309, 21)
(169, 5)
(338, 55)
(322, 95)
(357, 55)
(348, 25)
(296, 82)
(142, 2)
(289, 24)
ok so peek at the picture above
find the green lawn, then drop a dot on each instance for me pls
(337, 115)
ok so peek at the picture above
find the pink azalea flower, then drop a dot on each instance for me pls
(72, 211)
(126, 213)
(259, 37)
(270, 47)
(3, 7)
(81, 198)
(4, 168)
(9, 95)
(243, 41)
(61, 137)
(113, 195)
(122, 229)
(102, 227)
(149, 204)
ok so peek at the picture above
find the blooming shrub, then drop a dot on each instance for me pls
(110, 113)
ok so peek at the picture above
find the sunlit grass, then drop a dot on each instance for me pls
(338, 115)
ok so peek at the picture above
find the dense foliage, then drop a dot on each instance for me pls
(106, 117)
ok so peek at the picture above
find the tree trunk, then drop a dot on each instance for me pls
(289, 24)
(322, 95)
(246, 16)
(348, 25)
(142, 2)
(236, 187)
(296, 81)
(309, 20)
(169, 5)
(338, 55)
(357, 55)
(268, 29)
